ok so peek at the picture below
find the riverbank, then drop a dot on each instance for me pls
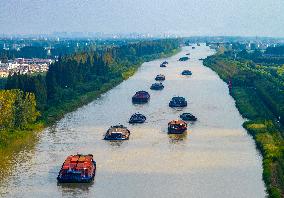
(249, 85)
(18, 138)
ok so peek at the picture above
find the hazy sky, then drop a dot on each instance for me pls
(188, 17)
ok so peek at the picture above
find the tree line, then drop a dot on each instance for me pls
(18, 111)
(74, 75)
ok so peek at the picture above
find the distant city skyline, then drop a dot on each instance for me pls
(156, 17)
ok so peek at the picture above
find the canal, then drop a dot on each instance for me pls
(215, 158)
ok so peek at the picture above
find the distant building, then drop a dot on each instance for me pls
(4, 74)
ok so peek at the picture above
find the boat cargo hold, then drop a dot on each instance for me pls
(160, 77)
(188, 117)
(186, 73)
(137, 118)
(117, 132)
(178, 102)
(185, 58)
(177, 127)
(141, 97)
(77, 169)
(157, 86)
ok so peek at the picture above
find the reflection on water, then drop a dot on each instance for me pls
(215, 158)
(76, 188)
(115, 143)
(176, 138)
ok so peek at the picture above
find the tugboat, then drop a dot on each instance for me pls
(178, 102)
(186, 73)
(160, 77)
(137, 118)
(117, 132)
(185, 58)
(157, 86)
(177, 127)
(188, 117)
(141, 97)
(77, 169)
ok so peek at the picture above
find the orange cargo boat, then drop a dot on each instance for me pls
(77, 168)
(177, 127)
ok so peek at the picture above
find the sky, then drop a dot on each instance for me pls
(183, 17)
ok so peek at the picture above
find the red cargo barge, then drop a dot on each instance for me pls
(77, 169)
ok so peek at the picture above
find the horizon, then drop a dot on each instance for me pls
(186, 18)
(130, 35)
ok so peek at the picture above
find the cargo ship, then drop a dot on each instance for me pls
(77, 169)
(177, 127)
(141, 97)
(188, 117)
(186, 73)
(185, 58)
(178, 102)
(137, 118)
(117, 132)
(157, 86)
(160, 77)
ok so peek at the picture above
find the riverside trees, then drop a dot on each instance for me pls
(76, 79)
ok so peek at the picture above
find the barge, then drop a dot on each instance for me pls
(77, 169)
(117, 132)
(137, 118)
(178, 102)
(141, 97)
(177, 127)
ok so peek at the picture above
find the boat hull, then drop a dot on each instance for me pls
(176, 131)
(186, 118)
(177, 105)
(159, 79)
(140, 100)
(115, 139)
(75, 179)
(156, 88)
(136, 121)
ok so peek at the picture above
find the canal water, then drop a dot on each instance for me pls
(215, 158)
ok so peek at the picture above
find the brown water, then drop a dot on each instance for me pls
(216, 158)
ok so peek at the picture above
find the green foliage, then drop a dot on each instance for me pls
(18, 109)
(18, 112)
